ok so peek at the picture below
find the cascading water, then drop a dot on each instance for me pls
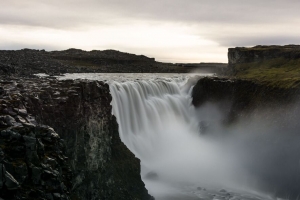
(159, 125)
(148, 112)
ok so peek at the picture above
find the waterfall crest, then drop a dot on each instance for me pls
(146, 109)
(158, 124)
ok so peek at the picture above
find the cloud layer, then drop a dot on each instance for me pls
(214, 25)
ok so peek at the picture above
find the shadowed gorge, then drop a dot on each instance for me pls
(137, 135)
(258, 122)
(149, 100)
(92, 161)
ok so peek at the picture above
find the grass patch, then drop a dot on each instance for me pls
(277, 72)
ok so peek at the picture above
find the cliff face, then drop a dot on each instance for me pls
(100, 166)
(268, 117)
(262, 53)
(33, 161)
(240, 97)
(275, 66)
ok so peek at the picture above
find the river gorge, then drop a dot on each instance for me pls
(145, 135)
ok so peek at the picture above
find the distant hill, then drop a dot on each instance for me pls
(26, 62)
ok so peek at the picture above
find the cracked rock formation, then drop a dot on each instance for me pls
(59, 140)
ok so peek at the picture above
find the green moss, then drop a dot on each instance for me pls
(278, 72)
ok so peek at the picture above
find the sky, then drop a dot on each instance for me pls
(169, 30)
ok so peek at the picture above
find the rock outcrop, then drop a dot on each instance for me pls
(262, 53)
(78, 155)
(239, 98)
(268, 117)
(273, 66)
(33, 161)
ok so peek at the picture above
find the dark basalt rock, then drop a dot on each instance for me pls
(77, 155)
(270, 114)
(239, 98)
(262, 53)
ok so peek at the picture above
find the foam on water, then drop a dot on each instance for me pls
(160, 126)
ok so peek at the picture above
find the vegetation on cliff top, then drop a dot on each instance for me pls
(285, 48)
(278, 72)
(276, 66)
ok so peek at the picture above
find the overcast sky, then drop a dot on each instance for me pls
(169, 30)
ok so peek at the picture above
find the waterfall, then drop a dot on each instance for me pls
(159, 125)
(149, 111)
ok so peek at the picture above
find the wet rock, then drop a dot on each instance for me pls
(8, 120)
(7, 180)
(19, 171)
(36, 175)
(2, 175)
(1, 155)
(10, 182)
(40, 148)
(31, 120)
(31, 150)
(74, 151)
(51, 162)
(22, 112)
(56, 196)
(20, 119)
(10, 135)
(12, 113)
(5, 133)
(2, 91)
(49, 196)
(15, 136)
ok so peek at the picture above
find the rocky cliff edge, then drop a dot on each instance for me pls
(58, 140)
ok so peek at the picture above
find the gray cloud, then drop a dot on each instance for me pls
(56, 13)
(259, 40)
(228, 23)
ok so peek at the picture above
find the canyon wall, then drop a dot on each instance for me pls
(262, 125)
(90, 160)
(262, 53)
(241, 97)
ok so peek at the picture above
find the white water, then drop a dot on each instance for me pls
(159, 125)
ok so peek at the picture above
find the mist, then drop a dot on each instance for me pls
(264, 143)
(183, 146)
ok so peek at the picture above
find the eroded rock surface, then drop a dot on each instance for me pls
(262, 53)
(239, 98)
(60, 141)
(33, 162)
